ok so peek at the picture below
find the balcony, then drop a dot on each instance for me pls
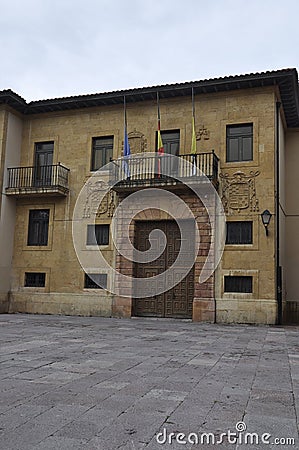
(164, 171)
(38, 180)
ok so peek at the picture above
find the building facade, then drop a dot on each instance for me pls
(246, 144)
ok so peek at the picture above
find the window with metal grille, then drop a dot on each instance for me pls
(95, 281)
(35, 279)
(238, 284)
(239, 232)
(97, 235)
(38, 227)
(102, 151)
(239, 142)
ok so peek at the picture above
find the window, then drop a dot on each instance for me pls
(43, 160)
(171, 141)
(97, 235)
(239, 232)
(171, 145)
(95, 281)
(239, 139)
(238, 284)
(38, 227)
(102, 152)
(35, 279)
(44, 153)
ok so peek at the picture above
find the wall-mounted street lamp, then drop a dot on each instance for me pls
(266, 217)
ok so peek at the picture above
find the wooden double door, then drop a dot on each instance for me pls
(176, 302)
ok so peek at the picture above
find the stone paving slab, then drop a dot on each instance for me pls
(105, 384)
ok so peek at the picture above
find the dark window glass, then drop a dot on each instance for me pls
(238, 284)
(247, 148)
(233, 150)
(95, 281)
(97, 235)
(38, 227)
(35, 279)
(102, 152)
(239, 232)
(239, 142)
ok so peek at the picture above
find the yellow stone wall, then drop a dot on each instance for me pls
(255, 260)
(10, 148)
(3, 126)
(292, 217)
(72, 133)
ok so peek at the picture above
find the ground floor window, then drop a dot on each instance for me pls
(35, 279)
(95, 281)
(238, 284)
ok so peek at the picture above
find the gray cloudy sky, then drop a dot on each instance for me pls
(54, 48)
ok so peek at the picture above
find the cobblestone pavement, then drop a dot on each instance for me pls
(95, 383)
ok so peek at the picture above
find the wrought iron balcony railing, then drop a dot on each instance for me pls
(52, 179)
(134, 171)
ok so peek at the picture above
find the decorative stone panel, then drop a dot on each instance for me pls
(239, 193)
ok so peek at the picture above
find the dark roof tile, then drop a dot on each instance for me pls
(285, 79)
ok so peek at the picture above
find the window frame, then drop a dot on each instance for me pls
(38, 241)
(38, 285)
(93, 284)
(107, 148)
(234, 222)
(165, 141)
(240, 137)
(91, 238)
(43, 147)
(230, 277)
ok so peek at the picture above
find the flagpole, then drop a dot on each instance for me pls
(193, 141)
(158, 105)
(125, 114)
(192, 94)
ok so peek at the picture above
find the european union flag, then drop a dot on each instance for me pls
(127, 154)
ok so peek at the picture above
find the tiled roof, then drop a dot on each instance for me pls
(285, 79)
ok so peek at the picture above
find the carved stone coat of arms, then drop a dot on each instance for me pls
(238, 192)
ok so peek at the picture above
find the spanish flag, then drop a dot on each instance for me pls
(160, 147)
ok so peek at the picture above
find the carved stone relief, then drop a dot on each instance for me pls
(95, 205)
(202, 133)
(238, 192)
(137, 141)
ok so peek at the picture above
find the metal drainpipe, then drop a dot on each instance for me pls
(277, 207)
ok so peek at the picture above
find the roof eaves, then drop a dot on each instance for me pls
(9, 97)
(286, 79)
